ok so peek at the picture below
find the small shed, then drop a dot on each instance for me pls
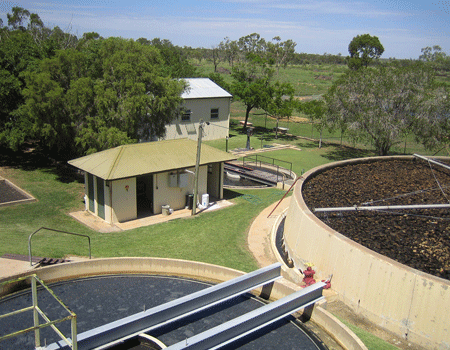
(137, 180)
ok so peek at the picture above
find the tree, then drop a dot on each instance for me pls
(363, 49)
(215, 55)
(251, 83)
(176, 64)
(123, 99)
(435, 57)
(316, 111)
(280, 102)
(230, 50)
(432, 54)
(254, 44)
(281, 52)
(18, 16)
(380, 106)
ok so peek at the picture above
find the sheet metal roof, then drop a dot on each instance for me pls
(203, 88)
(149, 157)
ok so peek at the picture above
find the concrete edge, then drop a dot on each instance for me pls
(182, 268)
(29, 198)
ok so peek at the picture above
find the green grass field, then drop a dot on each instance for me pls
(307, 80)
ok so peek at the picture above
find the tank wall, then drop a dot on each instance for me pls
(412, 304)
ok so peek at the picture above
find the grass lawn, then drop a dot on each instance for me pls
(369, 340)
(215, 237)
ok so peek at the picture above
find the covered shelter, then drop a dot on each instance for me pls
(137, 180)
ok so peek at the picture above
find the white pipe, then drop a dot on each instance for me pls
(431, 160)
(387, 207)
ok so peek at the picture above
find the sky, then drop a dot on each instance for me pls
(318, 27)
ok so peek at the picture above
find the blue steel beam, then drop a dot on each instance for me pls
(239, 327)
(158, 316)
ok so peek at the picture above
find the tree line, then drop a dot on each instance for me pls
(381, 105)
(74, 96)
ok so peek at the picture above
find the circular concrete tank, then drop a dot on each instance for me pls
(412, 304)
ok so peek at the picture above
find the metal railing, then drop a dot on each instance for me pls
(38, 312)
(258, 159)
(59, 231)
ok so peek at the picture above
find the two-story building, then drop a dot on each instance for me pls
(203, 100)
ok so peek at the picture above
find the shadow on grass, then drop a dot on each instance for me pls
(230, 194)
(266, 134)
(29, 158)
(344, 152)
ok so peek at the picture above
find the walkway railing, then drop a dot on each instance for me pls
(59, 231)
(259, 159)
(38, 312)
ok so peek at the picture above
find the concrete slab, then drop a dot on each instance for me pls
(97, 224)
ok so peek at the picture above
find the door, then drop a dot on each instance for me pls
(91, 192)
(100, 198)
(144, 195)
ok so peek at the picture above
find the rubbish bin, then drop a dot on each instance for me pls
(189, 201)
(166, 210)
(205, 200)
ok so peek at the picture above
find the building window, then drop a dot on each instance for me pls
(214, 113)
(186, 116)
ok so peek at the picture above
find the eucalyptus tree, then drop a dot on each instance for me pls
(436, 58)
(18, 16)
(381, 106)
(281, 52)
(230, 49)
(252, 44)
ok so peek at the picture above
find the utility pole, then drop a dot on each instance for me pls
(197, 164)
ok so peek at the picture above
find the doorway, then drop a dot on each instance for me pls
(144, 195)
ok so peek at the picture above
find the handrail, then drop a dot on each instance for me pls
(51, 229)
(273, 162)
(37, 326)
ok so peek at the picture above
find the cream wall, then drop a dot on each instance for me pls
(164, 194)
(412, 304)
(201, 110)
(123, 199)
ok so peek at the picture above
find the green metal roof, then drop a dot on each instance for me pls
(149, 157)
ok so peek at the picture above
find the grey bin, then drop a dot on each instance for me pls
(166, 210)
